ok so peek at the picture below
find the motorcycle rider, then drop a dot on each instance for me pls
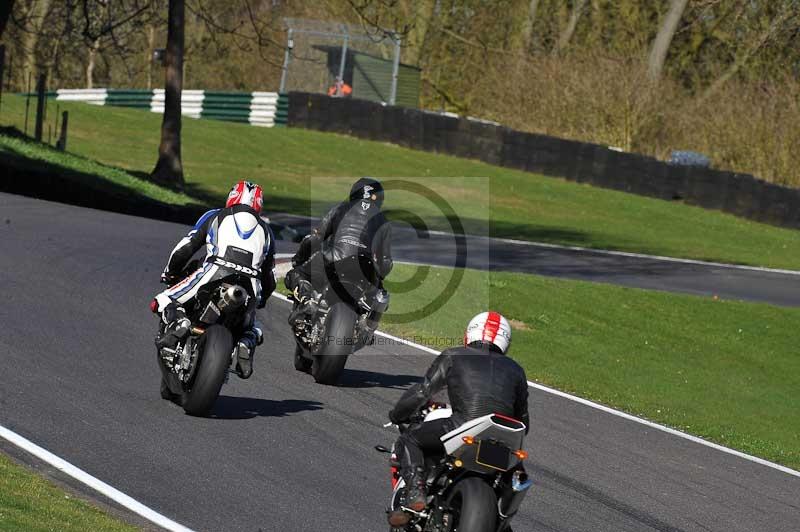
(480, 380)
(354, 229)
(234, 236)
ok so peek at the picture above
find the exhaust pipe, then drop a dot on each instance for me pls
(232, 298)
(512, 496)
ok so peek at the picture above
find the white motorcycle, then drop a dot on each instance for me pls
(476, 485)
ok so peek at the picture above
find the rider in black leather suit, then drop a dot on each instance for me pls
(480, 380)
(354, 229)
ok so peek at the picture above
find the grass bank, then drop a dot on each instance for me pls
(18, 154)
(489, 199)
(30, 503)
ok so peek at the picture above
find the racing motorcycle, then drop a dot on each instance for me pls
(476, 485)
(336, 322)
(194, 371)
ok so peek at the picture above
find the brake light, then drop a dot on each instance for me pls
(469, 440)
(154, 306)
(522, 455)
(507, 418)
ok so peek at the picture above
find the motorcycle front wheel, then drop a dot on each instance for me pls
(214, 356)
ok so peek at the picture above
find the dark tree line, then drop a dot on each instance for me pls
(644, 75)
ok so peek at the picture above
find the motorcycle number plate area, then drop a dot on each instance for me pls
(493, 455)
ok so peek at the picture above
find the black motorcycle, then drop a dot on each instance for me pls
(476, 485)
(336, 322)
(194, 371)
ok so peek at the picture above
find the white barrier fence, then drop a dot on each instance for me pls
(255, 108)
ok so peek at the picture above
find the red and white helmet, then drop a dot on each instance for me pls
(246, 193)
(489, 327)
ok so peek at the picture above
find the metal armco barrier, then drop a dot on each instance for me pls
(735, 193)
(255, 108)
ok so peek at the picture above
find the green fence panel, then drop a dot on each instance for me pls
(134, 98)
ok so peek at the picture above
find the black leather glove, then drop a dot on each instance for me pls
(395, 419)
(168, 279)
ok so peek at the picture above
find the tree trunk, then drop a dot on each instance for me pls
(658, 52)
(30, 40)
(527, 26)
(151, 38)
(423, 17)
(5, 13)
(51, 63)
(169, 168)
(569, 31)
(90, 62)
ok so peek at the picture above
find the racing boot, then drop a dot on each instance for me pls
(303, 291)
(246, 349)
(415, 499)
(306, 303)
(178, 326)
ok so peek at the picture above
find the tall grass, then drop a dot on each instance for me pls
(751, 127)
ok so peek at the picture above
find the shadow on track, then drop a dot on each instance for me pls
(547, 475)
(356, 378)
(228, 407)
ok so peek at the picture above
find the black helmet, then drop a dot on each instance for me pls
(367, 189)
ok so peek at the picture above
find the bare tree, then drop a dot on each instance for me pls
(658, 52)
(169, 168)
(93, 40)
(569, 31)
(108, 26)
(34, 18)
(786, 18)
(148, 60)
(527, 26)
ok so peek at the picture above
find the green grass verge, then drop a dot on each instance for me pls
(723, 370)
(30, 503)
(520, 205)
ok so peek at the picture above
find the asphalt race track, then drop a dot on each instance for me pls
(78, 376)
(701, 279)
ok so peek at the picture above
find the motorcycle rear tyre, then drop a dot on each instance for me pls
(301, 363)
(330, 359)
(215, 345)
(476, 504)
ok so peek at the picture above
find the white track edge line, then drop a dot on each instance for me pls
(93, 482)
(627, 254)
(607, 409)
(615, 253)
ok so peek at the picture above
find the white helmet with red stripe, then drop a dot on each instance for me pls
(246, 193)
(490, 328)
